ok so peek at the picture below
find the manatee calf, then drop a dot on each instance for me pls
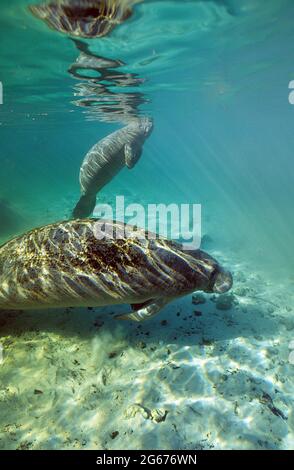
(67, 265)
(107, 158)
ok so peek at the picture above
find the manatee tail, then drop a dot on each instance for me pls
(85, 206)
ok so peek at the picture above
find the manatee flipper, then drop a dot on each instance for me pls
(132, 155)
(85, 206)
(136, 307)
(149, 309)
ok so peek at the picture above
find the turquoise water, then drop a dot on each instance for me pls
(214, 76)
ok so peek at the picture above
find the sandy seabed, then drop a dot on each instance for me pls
(209, 372)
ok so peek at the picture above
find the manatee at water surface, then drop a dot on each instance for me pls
(122, 148)
(84, 18)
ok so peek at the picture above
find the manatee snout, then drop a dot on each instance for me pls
(223, 282)
(146, 125)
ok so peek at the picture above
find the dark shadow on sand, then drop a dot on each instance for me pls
(180, 323)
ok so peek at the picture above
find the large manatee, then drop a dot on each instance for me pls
(71, 264)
